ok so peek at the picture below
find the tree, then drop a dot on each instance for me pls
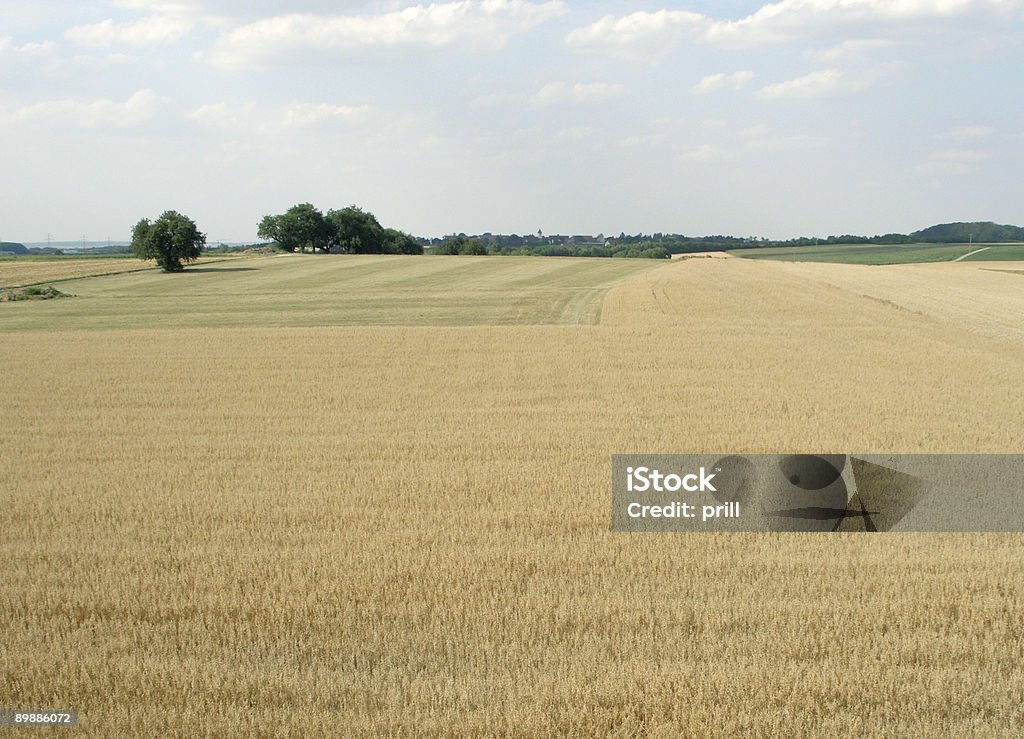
(450, 245)
(462, 244)
(171, 240)
(298, 227)
(270, 228)
(399, 242)
(356, 230)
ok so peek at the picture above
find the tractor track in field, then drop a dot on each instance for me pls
(971, 254)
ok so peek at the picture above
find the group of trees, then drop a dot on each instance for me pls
(350, 230)
(174, 240)
(461, 244)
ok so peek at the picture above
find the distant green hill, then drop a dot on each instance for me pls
(957, 233)
(12, 247)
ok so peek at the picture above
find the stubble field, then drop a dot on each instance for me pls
(32, 270)
(353, 515)
(301, 290)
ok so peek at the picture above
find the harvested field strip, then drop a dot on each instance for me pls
(312, 290)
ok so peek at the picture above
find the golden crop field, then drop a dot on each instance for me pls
(371, 497)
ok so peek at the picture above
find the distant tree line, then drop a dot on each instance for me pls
(350, 230)
(688, 244)
(958, 233)
(639, 246)
(662, 245)
(947, 233)
(174, 240)
(552, 246)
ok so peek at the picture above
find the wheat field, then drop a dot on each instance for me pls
(392, 519)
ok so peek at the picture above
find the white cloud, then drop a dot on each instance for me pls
(294, 115)
(761, 138)
(494, 100)
(36, 66)
(651, 35)
(957, 161)
(640, 35)
(137, 109)
(152, 30)
(551, 93)
(960, 155)
(809, 86)
(702, 153)
(591, 92)
(30, 49)
(157, 6)
(238, 9)
(575, 133)
(787, 20)
(28, 55)
(934, 167)
(596, 91)
(309, 37)
(119, 58)
(649, 142)
(309, 114)
(851, 48)
(713, 82)
(967, 133)
(221, 115)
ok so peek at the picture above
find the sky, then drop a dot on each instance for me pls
(792, 118)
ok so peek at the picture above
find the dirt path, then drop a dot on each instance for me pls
(970, 254)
